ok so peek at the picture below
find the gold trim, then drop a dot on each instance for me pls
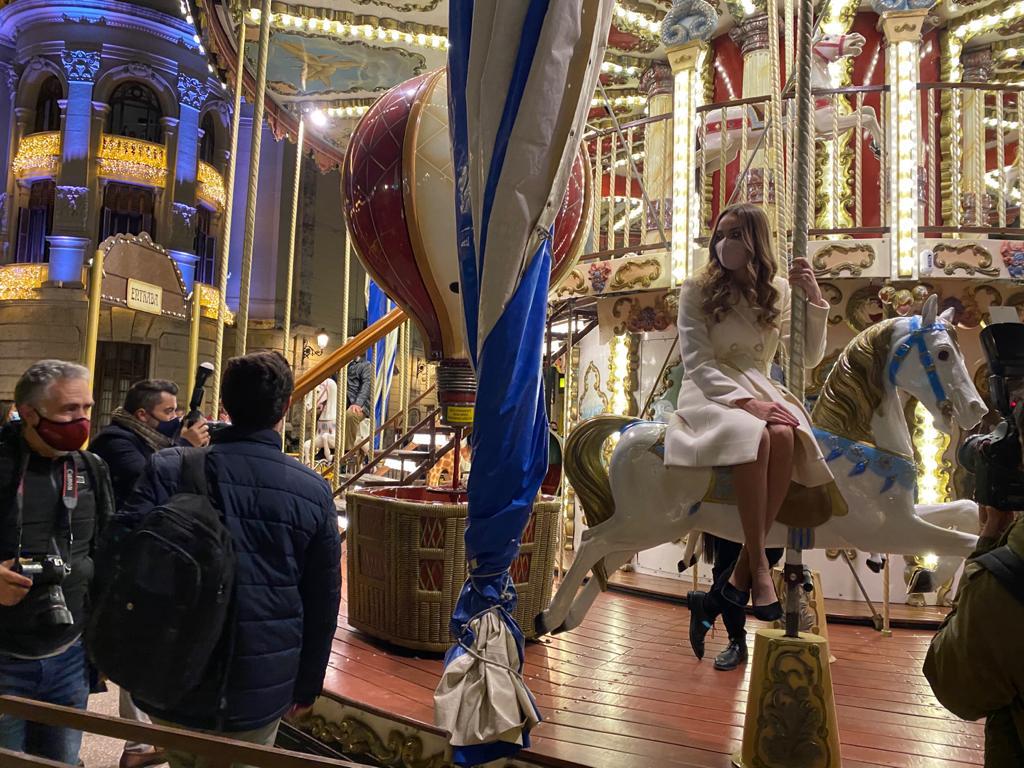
(579, 238)
(396, 750)
(620, 282)
(132, 160)
(21, 282)
(823, 269)
(412, 131)
(38, 155)
(984, 265)
(210, 186)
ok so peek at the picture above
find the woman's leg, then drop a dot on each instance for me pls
(751, 483)
(780, 473)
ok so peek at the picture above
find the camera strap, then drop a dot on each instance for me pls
(916, 339)
(68, 497)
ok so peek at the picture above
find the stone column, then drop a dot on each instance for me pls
(8, 145)
(903, 36)
(71, 238)
(656, 85)
(182, 187)
(977, 68)
(752, 36)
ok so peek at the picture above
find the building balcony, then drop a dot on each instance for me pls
(211, 186)
(132, 160)
(209, 303)
(38, 156)
(21, 282)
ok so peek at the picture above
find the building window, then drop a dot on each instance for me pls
(35, 222)
(127, 210)
(208, 143)
(205, 248)
(48, 105)
(118, 366)
(135, 112)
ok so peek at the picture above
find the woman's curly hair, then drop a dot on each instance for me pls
(716, 283)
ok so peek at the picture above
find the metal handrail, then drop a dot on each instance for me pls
(380, 430)
(220, 752)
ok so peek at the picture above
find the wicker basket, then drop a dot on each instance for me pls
(407, 564)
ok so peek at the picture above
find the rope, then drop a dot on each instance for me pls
(242, 320)
(954, 153)
(225, 245)
(778, 132)
(290, 280)
(1000, 159)
(858, 144)
(341, 406)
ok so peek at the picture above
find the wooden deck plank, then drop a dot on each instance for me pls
(625, 691)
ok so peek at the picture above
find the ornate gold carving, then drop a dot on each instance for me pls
(574, 284)
(864, 309)
(133, 160)
(855, 259)
(820, 373)
(354, 737)
(38, 155)
(643, 313)
(20, 282)
(211, 186)
(834, 297)
(796, 731)
(969, 257)
(592, 387)
(636, 274)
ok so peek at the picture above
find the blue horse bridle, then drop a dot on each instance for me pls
(916, 339)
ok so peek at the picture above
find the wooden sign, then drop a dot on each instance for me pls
(145, 297)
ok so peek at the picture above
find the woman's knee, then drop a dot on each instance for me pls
(779, 435)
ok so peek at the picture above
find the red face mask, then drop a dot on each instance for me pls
(63, 435)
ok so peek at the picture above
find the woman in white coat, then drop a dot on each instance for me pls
(732, 318)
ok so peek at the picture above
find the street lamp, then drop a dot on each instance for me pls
(321, 341)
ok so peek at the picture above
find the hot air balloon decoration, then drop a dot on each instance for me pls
(400, 204)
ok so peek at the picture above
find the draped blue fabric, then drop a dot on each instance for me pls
(377, 305)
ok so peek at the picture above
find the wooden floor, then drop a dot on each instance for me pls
(624, 691)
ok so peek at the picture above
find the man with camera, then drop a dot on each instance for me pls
(148, 422)
(974, 665)
(285, 552)
(54, 499)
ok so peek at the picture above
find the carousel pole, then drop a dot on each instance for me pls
(194, 326)
(242, 320)
(225, 240)
(813, 732)
(92, 329)
(290, 280)
(341, 408)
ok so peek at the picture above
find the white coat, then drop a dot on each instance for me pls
(729, 361)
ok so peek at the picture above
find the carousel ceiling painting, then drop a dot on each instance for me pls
(334, 59)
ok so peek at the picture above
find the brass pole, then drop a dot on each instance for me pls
(406, 372)
(92, 332)
(290, 281)
(242, 320)
(225, 240)
(195, 324)
(342, 405)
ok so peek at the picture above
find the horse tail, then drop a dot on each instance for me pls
(584, 465)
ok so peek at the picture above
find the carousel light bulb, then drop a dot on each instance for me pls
(318, 118)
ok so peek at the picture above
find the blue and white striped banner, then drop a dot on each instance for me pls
(521, 77)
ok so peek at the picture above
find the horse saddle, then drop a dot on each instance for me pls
(803, 507)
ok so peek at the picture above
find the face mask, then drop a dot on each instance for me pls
(168, 428)
(63, 435)
(732, 254)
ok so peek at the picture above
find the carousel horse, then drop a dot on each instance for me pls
(826, 49)
(639, 503)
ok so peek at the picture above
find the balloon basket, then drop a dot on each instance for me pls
(791, 711)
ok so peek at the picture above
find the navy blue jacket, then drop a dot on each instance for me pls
(288, 580)
(126, 454)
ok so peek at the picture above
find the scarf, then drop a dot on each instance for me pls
(149, 436)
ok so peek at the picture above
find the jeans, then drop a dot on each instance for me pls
(265, 736)
(62, 679)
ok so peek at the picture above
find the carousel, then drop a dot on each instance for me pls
(538, 264)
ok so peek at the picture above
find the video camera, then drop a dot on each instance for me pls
(995, 459)
(203, 372)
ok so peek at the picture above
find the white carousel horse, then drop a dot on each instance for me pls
(639, 503)
(826, 49)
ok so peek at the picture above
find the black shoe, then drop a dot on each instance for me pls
(734, 654)
(734, 595)
(770, 612)
(699, 624)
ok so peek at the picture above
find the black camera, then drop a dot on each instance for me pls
(48, 572)
(995, 459)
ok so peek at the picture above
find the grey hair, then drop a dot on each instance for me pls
(34, 382)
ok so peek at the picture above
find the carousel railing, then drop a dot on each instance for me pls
(973, 170)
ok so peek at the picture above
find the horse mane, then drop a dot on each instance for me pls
(855, 386)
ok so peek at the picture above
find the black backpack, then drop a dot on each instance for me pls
(157, 628)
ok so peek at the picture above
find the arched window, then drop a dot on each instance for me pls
(209, 141)
(48, 105)
(35, 222)
(135, 112)
(205, 248)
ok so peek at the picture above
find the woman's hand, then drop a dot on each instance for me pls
(768, 412)
(802, 276)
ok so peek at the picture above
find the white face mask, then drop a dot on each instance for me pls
(732, 254)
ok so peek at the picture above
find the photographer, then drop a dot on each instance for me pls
(148, 422)
(973, 664)
(54, 499)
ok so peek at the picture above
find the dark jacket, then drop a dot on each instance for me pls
(288, 580)
(974, 663)
(45, 516)
(125, 454)
(360, 384)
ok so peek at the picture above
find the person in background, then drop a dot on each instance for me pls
(148, 422)
(54, 501)
(974, 664)
(360, 388)
(282, 518)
